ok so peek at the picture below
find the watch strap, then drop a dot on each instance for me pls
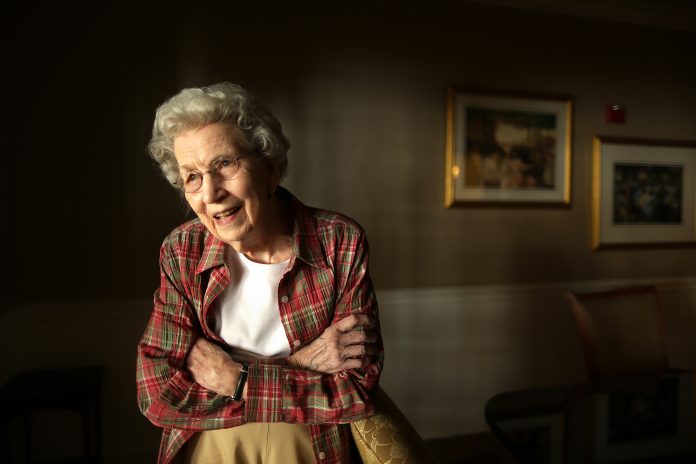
(243, 374)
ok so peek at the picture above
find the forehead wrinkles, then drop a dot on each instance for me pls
(198, 148)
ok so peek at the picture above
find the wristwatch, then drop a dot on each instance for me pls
(243, 374)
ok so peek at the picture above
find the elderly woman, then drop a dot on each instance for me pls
(264, 340)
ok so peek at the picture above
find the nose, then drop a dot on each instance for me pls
(211, 189)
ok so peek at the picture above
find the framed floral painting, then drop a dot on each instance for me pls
(507, 148)
(643, 192)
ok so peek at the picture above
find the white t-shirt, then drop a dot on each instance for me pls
(247, 315)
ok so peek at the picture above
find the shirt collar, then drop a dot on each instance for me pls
(306, 243)
(213, 253)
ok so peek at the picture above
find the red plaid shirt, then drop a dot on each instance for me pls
(326, 281)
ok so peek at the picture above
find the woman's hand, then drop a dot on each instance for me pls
(212, 367)
(348, 344)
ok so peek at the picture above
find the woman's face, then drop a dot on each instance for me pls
(238, 210)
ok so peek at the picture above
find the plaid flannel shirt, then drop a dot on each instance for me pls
(327, 280)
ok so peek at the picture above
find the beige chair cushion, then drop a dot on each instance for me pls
(387, 437)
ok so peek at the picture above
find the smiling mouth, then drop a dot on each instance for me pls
(227, 213)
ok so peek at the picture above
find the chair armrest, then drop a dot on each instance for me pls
(387, 437)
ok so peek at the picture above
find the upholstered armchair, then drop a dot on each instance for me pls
(388, 438)
(621, 331)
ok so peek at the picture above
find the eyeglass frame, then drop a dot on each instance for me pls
(213, 171)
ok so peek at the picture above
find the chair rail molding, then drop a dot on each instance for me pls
(448, 350)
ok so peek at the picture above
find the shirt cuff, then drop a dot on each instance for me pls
(264, 402)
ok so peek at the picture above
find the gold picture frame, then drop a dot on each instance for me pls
(507, 148)
(643, 192)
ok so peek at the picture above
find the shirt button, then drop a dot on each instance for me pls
(296, 343)
(322, 455)
(284, 299)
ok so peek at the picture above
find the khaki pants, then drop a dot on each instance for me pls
(253, 443)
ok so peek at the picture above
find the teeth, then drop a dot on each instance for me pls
(226, 213)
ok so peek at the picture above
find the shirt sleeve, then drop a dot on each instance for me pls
(282, 393)
(167, 395)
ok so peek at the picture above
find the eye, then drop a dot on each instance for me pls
(192, 178)
(226, 167)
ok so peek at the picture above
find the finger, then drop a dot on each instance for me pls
(352, 364)
(371, 321)
(357, 363)
(348, 323)
(371, 349)
(354, 351)
(359, 351)
(358, 336)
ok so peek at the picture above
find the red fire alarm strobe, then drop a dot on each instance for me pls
(615, 113)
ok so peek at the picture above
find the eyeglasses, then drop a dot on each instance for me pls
(223, 168)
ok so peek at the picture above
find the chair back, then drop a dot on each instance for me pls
(621, 331)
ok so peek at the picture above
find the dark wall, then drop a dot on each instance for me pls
(87, 222)
(360, 89)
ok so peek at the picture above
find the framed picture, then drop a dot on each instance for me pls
(539, 439)
(507, 148)
(638, 424)
(643, 192)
